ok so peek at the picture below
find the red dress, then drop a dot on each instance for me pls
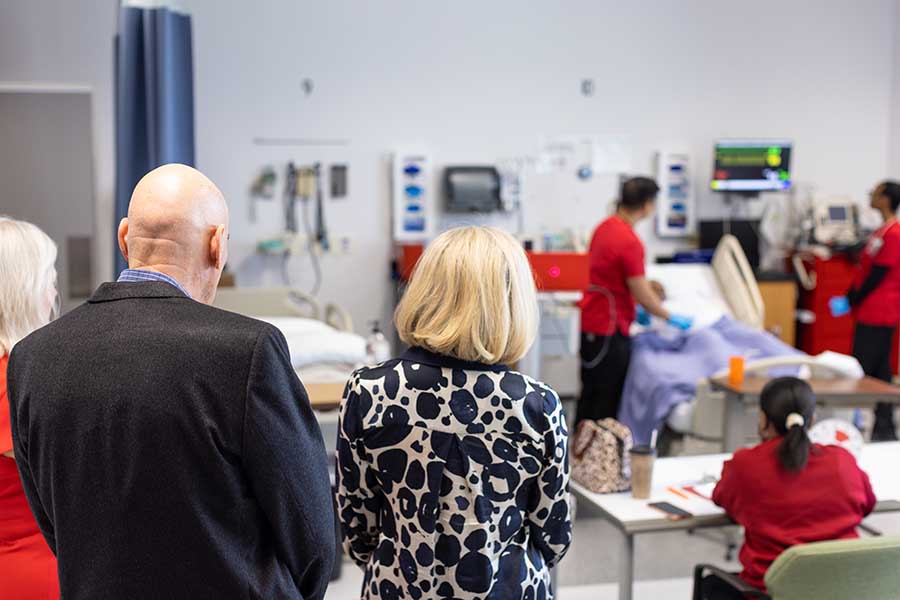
(27, 566)
(779, 509)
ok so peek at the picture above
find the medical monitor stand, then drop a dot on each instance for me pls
(729, 199)
(733, 221)
(730, 196)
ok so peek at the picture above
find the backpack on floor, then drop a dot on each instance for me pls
(600, 456)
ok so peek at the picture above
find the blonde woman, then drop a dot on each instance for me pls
(452, 468)
(27, 302)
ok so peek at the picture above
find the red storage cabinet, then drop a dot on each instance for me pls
(834, 276)
(553, 271)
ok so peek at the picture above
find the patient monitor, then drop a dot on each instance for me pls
(836, 222)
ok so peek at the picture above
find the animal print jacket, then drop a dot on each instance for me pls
(453, 480)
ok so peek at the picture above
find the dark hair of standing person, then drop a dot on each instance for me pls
(891, 189)
(637, 192)
(780, 399)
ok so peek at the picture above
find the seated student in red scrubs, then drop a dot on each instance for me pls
(787, 490)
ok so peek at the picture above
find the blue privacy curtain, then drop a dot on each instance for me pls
(154, 95)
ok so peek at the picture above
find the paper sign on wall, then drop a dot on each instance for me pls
(573, 153)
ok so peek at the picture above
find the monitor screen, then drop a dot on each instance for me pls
(752, 166)
(837, 213)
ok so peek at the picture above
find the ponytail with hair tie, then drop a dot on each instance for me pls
(789, 405)
(794, 420)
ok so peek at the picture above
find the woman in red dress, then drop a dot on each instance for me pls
(27, 302)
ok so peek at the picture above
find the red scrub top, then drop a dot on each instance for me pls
(27, 566)
(779, 509)
(882, 306)
(616, 254)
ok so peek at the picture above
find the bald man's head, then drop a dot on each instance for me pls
(177, 224)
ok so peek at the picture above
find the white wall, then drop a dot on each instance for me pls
(478, 81)
(894, 150)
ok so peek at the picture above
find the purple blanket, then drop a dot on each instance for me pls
(665, 372)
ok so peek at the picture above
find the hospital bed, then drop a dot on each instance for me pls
(324, 350)
(707, 292)
(727, 288)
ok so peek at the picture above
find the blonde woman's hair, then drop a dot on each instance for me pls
(27, 272)
(472, 297)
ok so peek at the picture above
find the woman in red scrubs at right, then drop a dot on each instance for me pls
(875, 299)
(27, 300)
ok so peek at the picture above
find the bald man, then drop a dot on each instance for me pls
(177, 230)
(167, 449)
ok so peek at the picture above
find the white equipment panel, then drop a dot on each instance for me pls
(675, 212)
(413, 197)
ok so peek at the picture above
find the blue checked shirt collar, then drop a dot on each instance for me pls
(139, 275)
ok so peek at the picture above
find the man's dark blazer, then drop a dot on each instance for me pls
(168, 450)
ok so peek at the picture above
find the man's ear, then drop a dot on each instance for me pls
(122, 237)
(218, 253)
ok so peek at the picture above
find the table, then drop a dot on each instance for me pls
(832, 393)
(325, 396)
(632, 517)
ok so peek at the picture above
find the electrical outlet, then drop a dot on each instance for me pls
(338, 180)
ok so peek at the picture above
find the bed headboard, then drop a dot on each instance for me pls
(281, 302)
(267, 302)
(738, 283)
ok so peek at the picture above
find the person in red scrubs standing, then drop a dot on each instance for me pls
(875, 300)
(616, 285)
(787, 490)
(27, 301)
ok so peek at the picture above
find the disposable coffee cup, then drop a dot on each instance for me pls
(642, 459)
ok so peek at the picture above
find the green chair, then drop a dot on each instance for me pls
(865, 568)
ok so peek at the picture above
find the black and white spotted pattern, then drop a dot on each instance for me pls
(453, 480)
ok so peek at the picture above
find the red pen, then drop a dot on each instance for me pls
(693, 490)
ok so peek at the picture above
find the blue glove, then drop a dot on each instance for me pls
(839, 306)
(682, 322)
(643, 317)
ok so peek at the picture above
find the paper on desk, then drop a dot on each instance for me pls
(692, 503)
(886, 489)
(624, 508)
(878, 461)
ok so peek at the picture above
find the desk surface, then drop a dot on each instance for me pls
(635, 516)
(325, 396)
(867, 386)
